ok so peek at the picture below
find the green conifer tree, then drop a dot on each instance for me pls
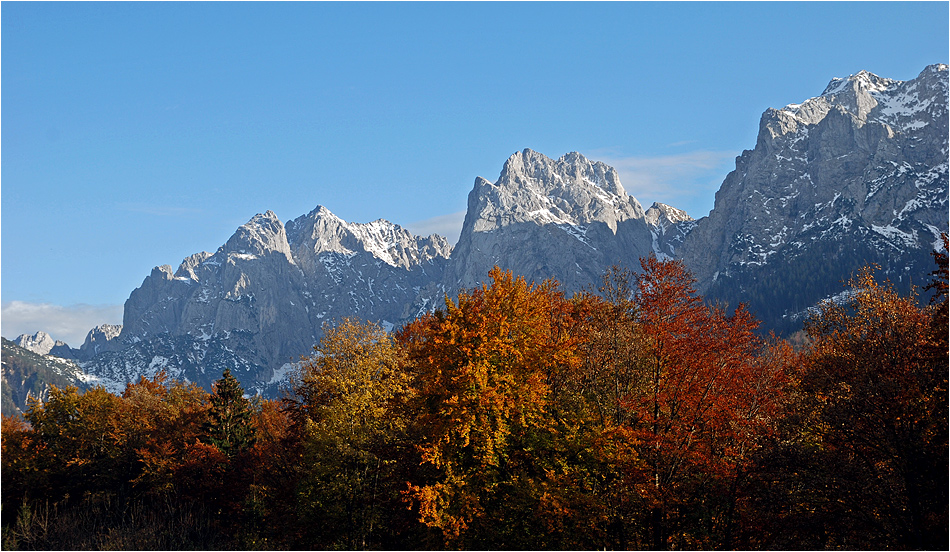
(229, 425)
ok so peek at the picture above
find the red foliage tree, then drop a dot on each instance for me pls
(706, 396)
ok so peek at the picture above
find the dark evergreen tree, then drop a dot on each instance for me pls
(229, 426)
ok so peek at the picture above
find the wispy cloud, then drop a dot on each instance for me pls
(70, 323)
(685, 180)
(449, 226)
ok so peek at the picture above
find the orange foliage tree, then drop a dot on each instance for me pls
(483, 370)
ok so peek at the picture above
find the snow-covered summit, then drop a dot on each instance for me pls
(321, 231)
(661, 214)
(572, 191)
(863, 80)
(901, 105)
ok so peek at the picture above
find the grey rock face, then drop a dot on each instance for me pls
(40, 343)
(260, 301)
(100, 339)
(568, 219)
(856, 175)
(669, 227)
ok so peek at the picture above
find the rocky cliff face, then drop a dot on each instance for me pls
(40, 343)
(668, 227)
(568, 219)
(259, 302)
(856, 175)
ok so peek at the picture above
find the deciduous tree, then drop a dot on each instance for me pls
(343, 404)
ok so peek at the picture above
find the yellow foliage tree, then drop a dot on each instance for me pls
(343, 408)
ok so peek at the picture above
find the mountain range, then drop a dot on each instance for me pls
(853, 176)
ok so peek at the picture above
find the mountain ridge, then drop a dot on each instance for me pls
(857, 174)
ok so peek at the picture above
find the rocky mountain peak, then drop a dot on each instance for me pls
(855, 175)
(100, 339)
(901, 106)
(40, 343)
(661, 214)
(863, 81)
(321, 231)
(262, 235)
(568, 218)
(187, 268)
(532, 187)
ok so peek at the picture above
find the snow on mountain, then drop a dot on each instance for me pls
(571, 191)
(322, 231)
(40, 343)
(668, 227)
(568, 218)
(260, 301)
(857, 174)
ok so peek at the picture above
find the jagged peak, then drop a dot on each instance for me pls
(107, 331)
(322, 231)
(661, 213)
(40, 343)
(263, 234)
(537, 167)
(188, 265)
(865, 97)
(860, 81)
(572, 191)
(322, 211)
(101, 338)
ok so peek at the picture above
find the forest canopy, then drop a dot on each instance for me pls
(635, 416)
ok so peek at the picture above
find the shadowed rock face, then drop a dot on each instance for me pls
(863, 166)
(854, 175)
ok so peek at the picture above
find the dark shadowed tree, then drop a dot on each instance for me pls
(229, 425)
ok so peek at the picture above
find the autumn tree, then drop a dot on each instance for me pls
(706, 393)
(343, 398)
(862, 462)
(99, 471)
(484, 371)
(77, 443)
(168, 417)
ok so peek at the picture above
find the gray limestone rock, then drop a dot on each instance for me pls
(856, 175)
(40, 343)
(669, 227)
(260, 301)
(568, 219)
(100, 339)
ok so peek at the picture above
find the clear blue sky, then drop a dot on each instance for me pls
(135, 134)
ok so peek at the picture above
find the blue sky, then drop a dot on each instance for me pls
(135, 134)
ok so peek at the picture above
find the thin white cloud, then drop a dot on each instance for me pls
(449, 226)
(69, 324)
(682, 180)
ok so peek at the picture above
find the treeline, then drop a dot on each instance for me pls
(638, 417)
